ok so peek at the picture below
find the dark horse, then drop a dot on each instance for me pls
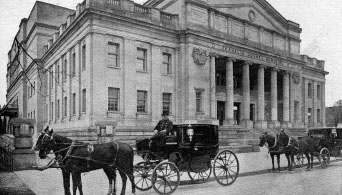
(273, 148)
(292, 146)
(77, 157)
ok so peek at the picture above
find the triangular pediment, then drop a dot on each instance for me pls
(259, 12)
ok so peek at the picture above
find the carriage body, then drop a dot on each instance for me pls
(329, 138)
(191, 148)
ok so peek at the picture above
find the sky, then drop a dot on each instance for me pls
(320, 20)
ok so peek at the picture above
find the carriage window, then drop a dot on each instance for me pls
(141, 101)
(113, 54)
(84, 100)
(167, 102)
(113, 99)
(141, 59)
(167, 63)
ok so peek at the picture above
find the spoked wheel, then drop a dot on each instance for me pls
(324, 157)
(226, 167)
(165, 178)
(299, 160)
(200, 176)
(142, 176)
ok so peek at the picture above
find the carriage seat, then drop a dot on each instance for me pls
(171, 140)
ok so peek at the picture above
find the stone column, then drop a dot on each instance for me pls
(246, 96)
(274, 100)
(213, 106)
(286, 100)
(261, 123)
(229, 92)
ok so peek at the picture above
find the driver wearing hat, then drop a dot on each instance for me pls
(165, 125)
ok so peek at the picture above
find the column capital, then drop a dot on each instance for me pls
(247, 63)
(231, 59)
(285, 72)
(212, 54)
(275, 69)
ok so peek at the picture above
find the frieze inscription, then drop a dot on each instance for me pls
(251, 55)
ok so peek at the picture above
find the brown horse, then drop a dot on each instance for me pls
(273, 148)
(77, 157)
(292, 146)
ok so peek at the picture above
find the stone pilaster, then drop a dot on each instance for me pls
(213, 103)
(274, 100)
(261, 123)
(246, 96)
(286, 101)
(229, 92)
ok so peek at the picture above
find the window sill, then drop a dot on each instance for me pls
(114, 67)
(142, 113)
(167, 75)
(142, 71)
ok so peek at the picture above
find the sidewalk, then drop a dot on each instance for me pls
(95, 182)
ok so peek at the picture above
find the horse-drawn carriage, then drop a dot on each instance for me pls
(189, 148)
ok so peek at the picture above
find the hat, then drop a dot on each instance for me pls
(165, 113)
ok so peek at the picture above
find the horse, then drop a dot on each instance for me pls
(77, 157)
(292, 146)
(273, 148)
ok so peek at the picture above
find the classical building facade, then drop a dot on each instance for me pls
(113, 66)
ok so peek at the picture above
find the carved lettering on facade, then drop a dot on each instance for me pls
(199, 55)
(244, 53)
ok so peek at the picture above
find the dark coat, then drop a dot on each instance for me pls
(164, 124)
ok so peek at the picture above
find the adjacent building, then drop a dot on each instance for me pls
(113, 66)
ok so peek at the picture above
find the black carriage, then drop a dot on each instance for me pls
(188, 148)
(328, 142)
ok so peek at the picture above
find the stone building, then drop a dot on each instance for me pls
(113, 66)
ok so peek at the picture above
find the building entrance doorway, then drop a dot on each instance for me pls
(221, 112)
(236, 109)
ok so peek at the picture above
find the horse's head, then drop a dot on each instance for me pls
(45, 143)
(262, 139)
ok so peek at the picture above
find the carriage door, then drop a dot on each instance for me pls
(221, 111)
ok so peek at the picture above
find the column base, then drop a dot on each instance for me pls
(286, 124)
(273, 124)
(261, 125)
(247, 123)
(229, 122)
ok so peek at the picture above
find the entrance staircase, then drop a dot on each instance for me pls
(238, 139)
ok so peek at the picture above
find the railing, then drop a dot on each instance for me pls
(141, 9)
(165, 16)
(113, 2)
(6, 158)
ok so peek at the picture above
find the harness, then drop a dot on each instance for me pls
(289, 144)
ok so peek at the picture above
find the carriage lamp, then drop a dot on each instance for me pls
(190, 132)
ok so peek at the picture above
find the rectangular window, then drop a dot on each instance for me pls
(73, 103)
(318, 115)
(84, 56)
(34, 88)
(73, 64)
(141, 59)
(51, 113)
(309, 117)
(309, 90)
(57, 109)
(28, 92)
(51, 78)
(113, 55)
(113, 99)
(167, 97)
(167, 63)
(84, 100)
(65, 106)
(141, 101)
(57, 73)
(34, 114)
(65, 68)
(319, 92)
(199, 101)
(296, 111)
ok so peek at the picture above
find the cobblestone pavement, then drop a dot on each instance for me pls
(11, 184)
(95, 182)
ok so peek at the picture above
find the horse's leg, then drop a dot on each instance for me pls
(272, 157)
(292, 161)
(308, 158)
(124, 181)
(74, 182)
(79, 182)
(278, 161)
(110, 180)
(66, 181)
(311, 155)
(131, 178)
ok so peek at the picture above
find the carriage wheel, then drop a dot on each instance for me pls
(299, 160)
(200, 176)
(142, 176)
(165, 178)
(324, 157)
(226, 167)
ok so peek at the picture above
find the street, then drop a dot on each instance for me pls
(316, 182)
